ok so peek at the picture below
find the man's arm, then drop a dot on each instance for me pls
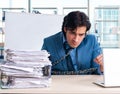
(99, 60)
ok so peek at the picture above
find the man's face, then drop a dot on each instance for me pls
(75, 37)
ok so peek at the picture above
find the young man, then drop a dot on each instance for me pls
(73, 51)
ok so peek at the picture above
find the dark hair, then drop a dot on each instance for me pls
(76, 19)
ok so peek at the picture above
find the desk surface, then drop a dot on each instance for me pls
(71, 84)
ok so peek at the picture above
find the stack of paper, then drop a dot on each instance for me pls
(24, 69)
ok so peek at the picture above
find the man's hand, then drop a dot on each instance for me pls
(99, 60)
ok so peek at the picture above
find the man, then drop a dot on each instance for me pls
(73, 51)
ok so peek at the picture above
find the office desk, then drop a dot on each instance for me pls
(71, 84)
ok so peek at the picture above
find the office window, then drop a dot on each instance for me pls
(3, 10)
(66, 10)
(107, 20)
(46, 10)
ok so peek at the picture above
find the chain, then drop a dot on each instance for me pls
(62, 58)
(86, 71)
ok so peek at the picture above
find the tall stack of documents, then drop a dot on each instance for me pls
(26, 69)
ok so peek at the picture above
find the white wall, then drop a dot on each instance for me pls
(26, 31)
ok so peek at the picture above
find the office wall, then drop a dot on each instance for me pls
(26, 31)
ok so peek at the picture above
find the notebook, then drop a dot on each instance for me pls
(111, 62)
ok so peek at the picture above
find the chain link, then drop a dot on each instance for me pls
(86, 71)
(62, 58)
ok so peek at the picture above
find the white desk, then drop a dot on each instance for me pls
(80, 84)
